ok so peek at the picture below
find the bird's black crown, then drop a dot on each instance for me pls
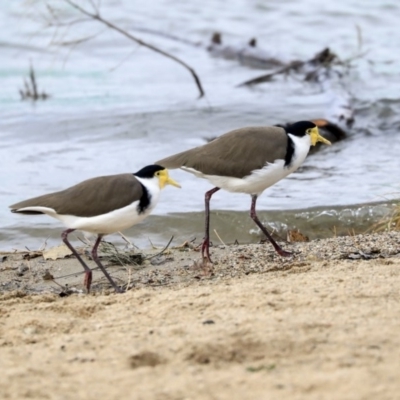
(299, 128)
(148, 171)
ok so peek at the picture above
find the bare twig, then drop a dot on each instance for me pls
(96, 16)
(187, 244)
(31, 91)
(167, 36)
(293, 66)
(77, 41)
(162, 251)
(69, 23)
(115, 67)
(33, 82)
(129, 278)
(44, 245)
(94, 6)
(151, 243)
(127, 240)
(215, 231)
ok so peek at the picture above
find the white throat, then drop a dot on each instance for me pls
(301, 148)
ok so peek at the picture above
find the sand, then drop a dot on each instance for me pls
(323, 324)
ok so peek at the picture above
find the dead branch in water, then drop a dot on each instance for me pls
(30, 90)
(97, 17)
(324, 62)
(324, 59)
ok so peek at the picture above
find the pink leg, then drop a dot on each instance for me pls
(254, 217)
(205, 248)
(100, 265)
(88, 272)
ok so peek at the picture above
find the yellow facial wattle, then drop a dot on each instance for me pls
(165, 179)
(316, 137)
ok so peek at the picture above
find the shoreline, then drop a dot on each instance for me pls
(315, 222)
(32, 270)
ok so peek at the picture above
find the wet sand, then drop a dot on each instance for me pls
(323, 324)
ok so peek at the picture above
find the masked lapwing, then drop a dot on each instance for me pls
(248, 160)
(101, 205)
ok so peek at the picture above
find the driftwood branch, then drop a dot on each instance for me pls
(323, 61)
(96, 16)
(267, 77)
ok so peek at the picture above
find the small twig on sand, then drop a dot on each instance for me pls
(215, 231)
(151, 243)
(49, 277)
(44, 244)
(127, 240)
(162, 251)
(129, 278)
(187, 244)
(85, 241)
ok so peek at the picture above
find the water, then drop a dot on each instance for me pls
(115, 107)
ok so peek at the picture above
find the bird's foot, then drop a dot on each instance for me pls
(203, 268)
(207, 260)
(118, 289)
(205, 251)
(284, 253)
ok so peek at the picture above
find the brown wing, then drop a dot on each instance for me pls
(90, 198)
(235, 153)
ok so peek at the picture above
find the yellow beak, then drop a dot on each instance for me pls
(166, 180)
(316, 137)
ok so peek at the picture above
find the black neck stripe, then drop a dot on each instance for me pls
(144, 201)
(289, 151)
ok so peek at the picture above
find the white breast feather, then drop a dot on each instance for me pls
(114, 221)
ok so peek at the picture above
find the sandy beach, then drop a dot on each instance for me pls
(322, 324)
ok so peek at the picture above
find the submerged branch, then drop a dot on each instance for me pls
(324, 63)
(267, 77)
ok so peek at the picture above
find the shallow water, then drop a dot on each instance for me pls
(115, 107)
